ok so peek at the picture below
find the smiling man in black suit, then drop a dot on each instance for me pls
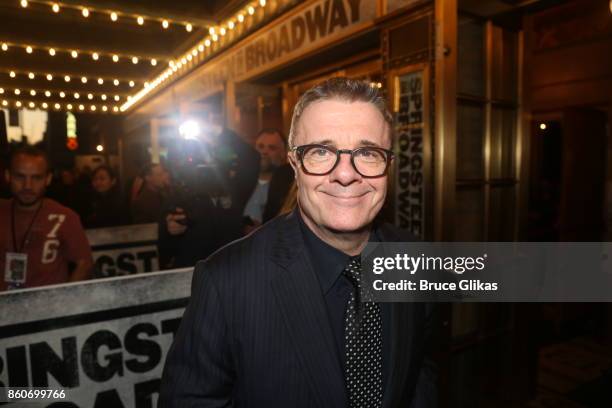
(274, 319)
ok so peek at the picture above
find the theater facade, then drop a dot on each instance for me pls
(501, 110)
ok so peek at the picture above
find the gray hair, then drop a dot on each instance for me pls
(343, 89)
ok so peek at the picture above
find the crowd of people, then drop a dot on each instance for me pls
(292, 280)
(195, 215)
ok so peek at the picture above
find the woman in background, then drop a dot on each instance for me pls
(107, 207)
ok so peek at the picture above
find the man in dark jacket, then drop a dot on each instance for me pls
(273, 319)
(206, 210)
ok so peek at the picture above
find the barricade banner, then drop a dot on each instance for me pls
(102, 342)
(124, 250)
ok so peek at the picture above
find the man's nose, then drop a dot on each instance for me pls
(345, 173)
(28, 183)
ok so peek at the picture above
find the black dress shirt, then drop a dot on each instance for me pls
(329, 263)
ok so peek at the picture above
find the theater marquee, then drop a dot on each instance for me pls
(306, 28)
(409, 89)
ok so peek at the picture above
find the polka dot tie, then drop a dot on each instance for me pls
(363, 338)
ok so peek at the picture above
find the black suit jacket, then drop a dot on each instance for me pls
(256, 333)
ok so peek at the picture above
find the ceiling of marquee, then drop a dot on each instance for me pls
(55, 54)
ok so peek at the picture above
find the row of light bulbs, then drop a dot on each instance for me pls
(175, 65)
(86, 11)
(68, 78)
(95, 56)
(61, 94)
(59, 106)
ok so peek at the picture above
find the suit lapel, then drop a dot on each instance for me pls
(402, 326)
(402, 336)
(302, 305)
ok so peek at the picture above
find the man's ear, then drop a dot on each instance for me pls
(49, 178)
(7, 176)
(293, 160)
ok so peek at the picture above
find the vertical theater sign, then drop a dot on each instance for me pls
(409, 89)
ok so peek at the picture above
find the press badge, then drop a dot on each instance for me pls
(15, 267)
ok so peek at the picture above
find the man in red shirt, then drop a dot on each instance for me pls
(39, 237)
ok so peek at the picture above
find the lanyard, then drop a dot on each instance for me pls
(27, 232)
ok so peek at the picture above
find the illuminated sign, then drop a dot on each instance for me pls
(71, 135)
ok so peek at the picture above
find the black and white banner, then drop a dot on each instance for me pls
(125, 250)
(103, 342)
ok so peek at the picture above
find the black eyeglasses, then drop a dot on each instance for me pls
(319, 160)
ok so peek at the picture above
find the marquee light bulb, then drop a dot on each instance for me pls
(55, 7)
(24, 3)
(100, 81)
(52, 52)
(4, 47)
(153, 62)
(29, 49)
(95, 56)
(240, 18)
(134, 60)
(67, 78)
(189, 27)
(31, 75)
(115, 58)
(85, 12)
(113, 16)
(165, 24)
(49, 77)
(84, 80)
(116, 82)
(140, 20)
(251, 10)
(12, 74)
(74, 54)
(131, 84)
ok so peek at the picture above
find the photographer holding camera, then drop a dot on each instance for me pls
(215, 173)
